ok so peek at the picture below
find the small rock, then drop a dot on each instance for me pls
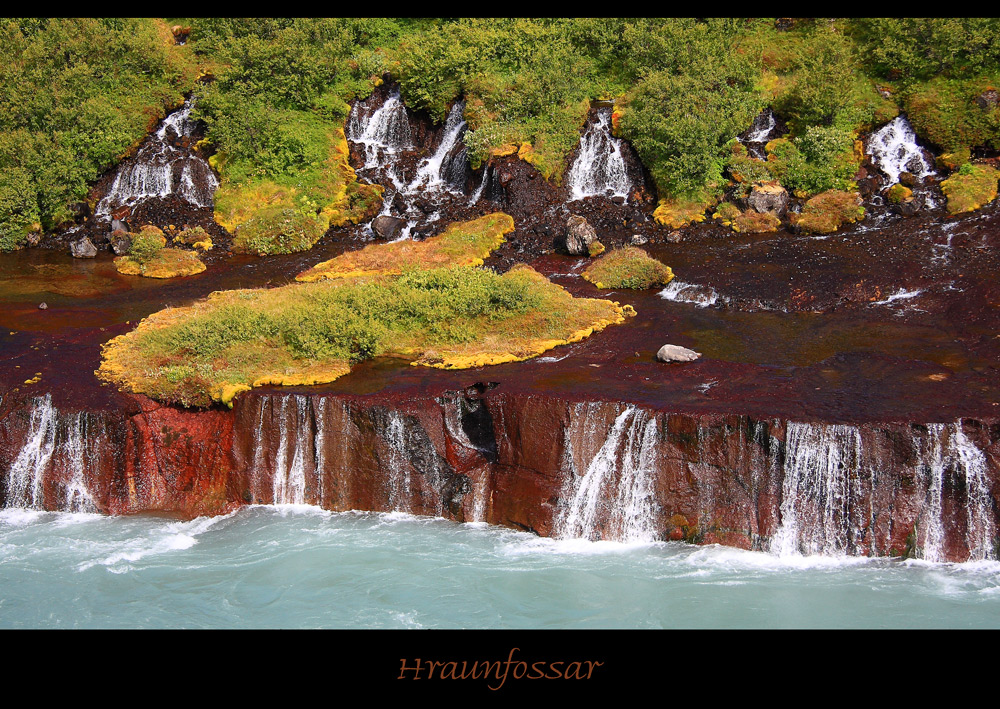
(121, 242)
(618, 200)
(386, 227)
(84, 248)
(988, 99)
(638, 240)
(34, 238)
(122, 212)
(674, 237)
(43, 306)
(579, 236)
(676, 353)
(118, 225)
(907, 179)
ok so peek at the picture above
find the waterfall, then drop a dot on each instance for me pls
(680, 292)
(434, 172)
(27, 472)
(160, 169)
(762, 129)
(400, 491)
(952, 451)
(289, 480)
(383, 133)
(829, 506)
(47, 455)
(614, 496)
(894, 150)
(821, 474)
(599, 168)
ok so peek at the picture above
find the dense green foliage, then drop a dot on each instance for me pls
(78, 94)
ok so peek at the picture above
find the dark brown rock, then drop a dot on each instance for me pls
(386, 227)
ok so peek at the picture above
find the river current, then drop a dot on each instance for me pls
(303, 567)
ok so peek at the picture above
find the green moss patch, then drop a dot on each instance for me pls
(630, 267)
(826, 212)
(970, 188)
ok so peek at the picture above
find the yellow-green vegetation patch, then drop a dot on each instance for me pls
(899, 193)
(149, 257)
(195, 237)
(826, 212)
(675, 213)
(290, 213)
(726, 213)
(970, 188)
(753, 222)
(310, 333)
(630, 267)
(461, 244)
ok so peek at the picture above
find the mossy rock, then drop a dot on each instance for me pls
(898, 194)
(970, 188)
(168, 263)
(726, 212)
(754, 222)
(678, 213)
(629, 267)
(827, 211)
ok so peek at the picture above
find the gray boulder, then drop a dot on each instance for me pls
(579, 236)
(83, 248)
(386, 227)
(769, 199)
(676, 353)
(121, 242)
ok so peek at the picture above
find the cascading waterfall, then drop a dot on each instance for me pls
(952, 451)
(383, 134)
(399, 469)
(763, 128)
(613, 497)
(434, 172)
(599, 168)
(50, 449)
(160, 169)
(289, 481)
(298, 453)
(27, 472)
(822, 472)
(894, 150)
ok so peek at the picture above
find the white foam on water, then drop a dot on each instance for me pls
(681, 292)
(901, 294)
(894, 150)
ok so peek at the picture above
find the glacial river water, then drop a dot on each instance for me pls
(302, 567)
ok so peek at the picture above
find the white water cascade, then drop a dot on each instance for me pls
(951, 450)
(762, 129)
(160, 169)
(289, 480)
(680, 292)
(296, 467)
(400, 491)
(613, 497)
(432, 175)
(599, 168)
(383, 134)
(894, 150)
(822, 472)
(47, 451)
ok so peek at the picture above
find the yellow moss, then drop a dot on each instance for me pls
(461, 244)
(168, 263)
(504, 150)
(225, 392)
(970, 188)
(676, 214)
(205, 245)
(596, 248)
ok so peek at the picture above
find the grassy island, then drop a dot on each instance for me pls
(311, 333)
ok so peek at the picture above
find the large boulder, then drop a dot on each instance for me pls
(83, 248)
(676, 353)
(769, 198)
(386, 227)
(579, 236)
